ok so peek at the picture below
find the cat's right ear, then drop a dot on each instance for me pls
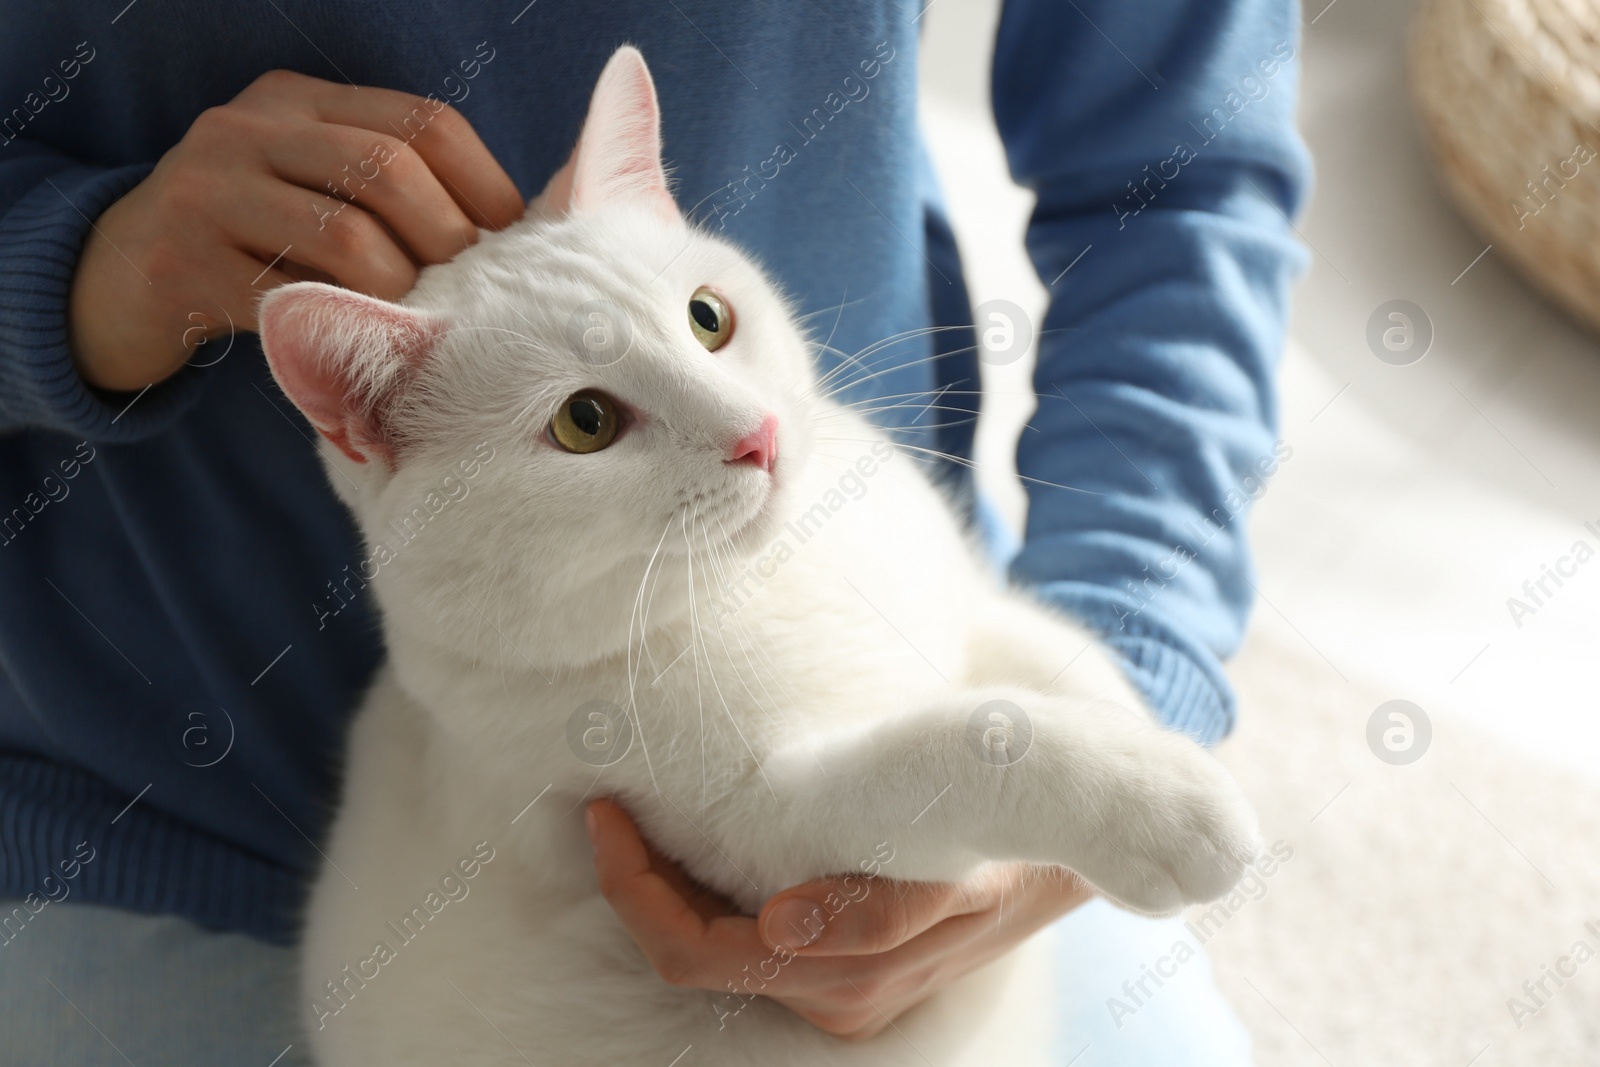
(618, 158)
(343, 358)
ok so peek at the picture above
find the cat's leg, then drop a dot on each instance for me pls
(1014, 640)
(1006, 773)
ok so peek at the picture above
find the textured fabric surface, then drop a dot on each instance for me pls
(92, 986)
(1420, 898)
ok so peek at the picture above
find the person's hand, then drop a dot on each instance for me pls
(884, 947)
(294, 178)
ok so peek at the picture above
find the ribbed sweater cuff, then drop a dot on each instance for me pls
(41, 239)
(1182, 694)
(141, 860)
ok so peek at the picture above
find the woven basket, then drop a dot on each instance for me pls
(1508, 93)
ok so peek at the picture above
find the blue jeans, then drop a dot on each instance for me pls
(86, 986)
(1128, 995)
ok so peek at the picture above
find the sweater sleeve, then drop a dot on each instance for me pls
(47, 206)
(1160, 139)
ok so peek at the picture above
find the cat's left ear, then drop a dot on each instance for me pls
(344, 358)
(618, 158)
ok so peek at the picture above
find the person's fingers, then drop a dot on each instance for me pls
(620, 848)
(690, 936)
(438, 133)
(469, 170)
(299, 272)
(857, 916)
(274, 221)
(382, 175)
(857, 996)
(695, 938)
(240, 282)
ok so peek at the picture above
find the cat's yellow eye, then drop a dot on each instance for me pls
(586, 421)
(710, 319)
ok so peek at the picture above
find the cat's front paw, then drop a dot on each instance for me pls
(1178, 832)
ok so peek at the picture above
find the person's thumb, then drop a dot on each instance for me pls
(856, 915)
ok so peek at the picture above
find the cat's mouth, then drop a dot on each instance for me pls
(754, 528)
(739, 515)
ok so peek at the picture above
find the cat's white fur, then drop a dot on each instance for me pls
(792, 718)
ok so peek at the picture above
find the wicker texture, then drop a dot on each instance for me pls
(1508, 93)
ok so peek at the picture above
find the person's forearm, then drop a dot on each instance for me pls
(1166, 166)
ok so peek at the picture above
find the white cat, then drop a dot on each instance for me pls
(624, 544)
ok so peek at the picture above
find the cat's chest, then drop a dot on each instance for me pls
(858, 609)
(849, 612)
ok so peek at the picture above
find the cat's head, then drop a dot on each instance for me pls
(597, 385)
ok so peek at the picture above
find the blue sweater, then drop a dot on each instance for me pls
(178, 671)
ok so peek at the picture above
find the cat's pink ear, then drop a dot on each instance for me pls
(343, 358)
(618, 159)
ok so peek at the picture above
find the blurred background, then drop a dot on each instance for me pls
(1437, 872)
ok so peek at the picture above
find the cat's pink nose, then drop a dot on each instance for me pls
(759, 448)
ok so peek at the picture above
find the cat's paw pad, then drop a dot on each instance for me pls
(1186, 837)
